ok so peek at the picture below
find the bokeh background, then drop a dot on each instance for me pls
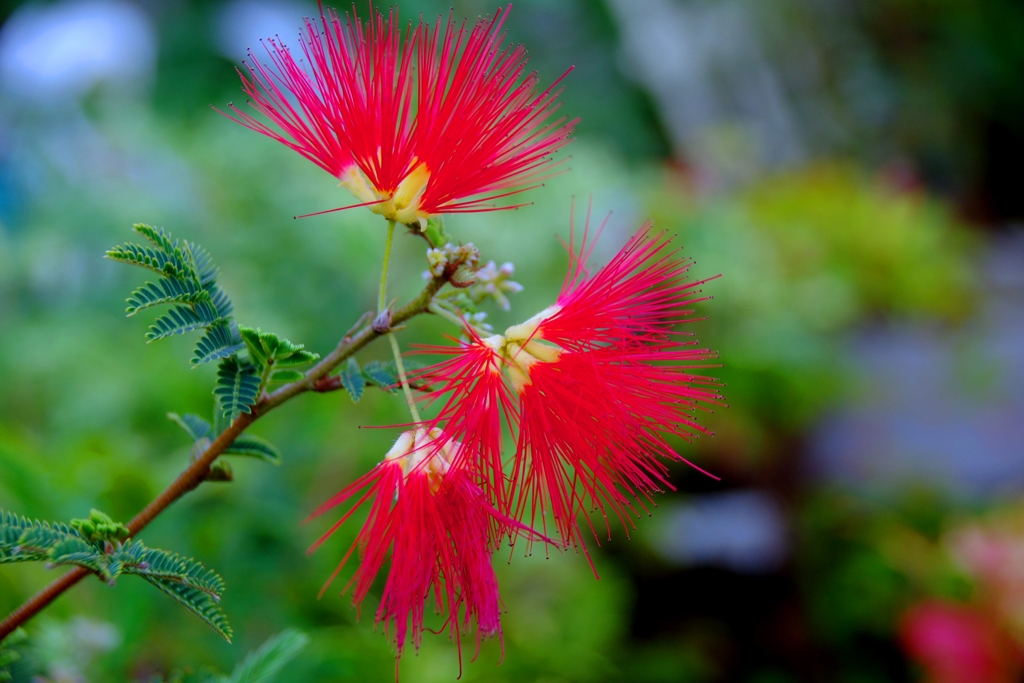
(851, 169)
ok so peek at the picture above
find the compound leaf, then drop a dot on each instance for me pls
(237, 387)
(157, 261)
(265, 663)
(195, 426)
(167, 566)
(253, 446)
(200, 603)
(217, 343)
(286, 376)
(383, 375)
(352, 379)
(165, 291)
(182, 319)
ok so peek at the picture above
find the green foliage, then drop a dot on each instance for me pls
(100, 545)
(264, 664)
(259, 666)
(267, 348)
(9, 656)
(199, 603)
(383, 375)
(25, 540)
(238, 386)
(195, 426)
(188, 282)
(246, 444)
(165, 291)
(253, 446)
(274, 357)
(217, 343)
(100, 527)
(435, 232)
(353, 381)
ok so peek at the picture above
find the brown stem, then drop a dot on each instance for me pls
(197, 471)
(40, 600)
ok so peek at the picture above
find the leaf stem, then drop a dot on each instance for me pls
(198, 470)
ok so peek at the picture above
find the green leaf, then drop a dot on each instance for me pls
(265, 347)
(9, 656)
(157, 261)
(217, 343)
(297, 358)
(221, 302)
(251, 338)
(152, 563)
(182, 319)
(352, 379)
(253, 446)
(435, 232)
(195, 426)
(189, 284)
(165, 291)
(199, 603)
(34, 541)
(78, 551)
(202, 262)
(287, 376)
(237, 387)
(383, 375)
(12, 527)
(160, 238)
(264, 664)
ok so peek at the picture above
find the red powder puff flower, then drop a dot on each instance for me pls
(594, 384)
(414, 124)
(438, 530)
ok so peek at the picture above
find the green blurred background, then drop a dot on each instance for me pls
(851, 169)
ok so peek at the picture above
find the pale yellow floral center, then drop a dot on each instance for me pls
(420, 451)
(522, 347)
(403, 205)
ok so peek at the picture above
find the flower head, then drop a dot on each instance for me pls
(435, 525)
(415, 123)
(595, 384)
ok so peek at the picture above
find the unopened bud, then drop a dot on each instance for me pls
(382, 323)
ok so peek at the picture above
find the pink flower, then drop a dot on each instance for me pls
(594, 384)
(958, 644)
(434, 524)
(414, 123)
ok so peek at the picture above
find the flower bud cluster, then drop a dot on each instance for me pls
(458, 263)
(495, 283)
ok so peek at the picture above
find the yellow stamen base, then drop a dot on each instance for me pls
(402, 205)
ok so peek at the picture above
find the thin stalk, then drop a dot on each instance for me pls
(409, 401)
(440, 310)
(382, 295)
(382, 298)
(197, 471)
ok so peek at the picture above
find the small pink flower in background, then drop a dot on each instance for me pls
(593, 384)
(993, 554)
(414, 122)
(430, 519)
(958, 644)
